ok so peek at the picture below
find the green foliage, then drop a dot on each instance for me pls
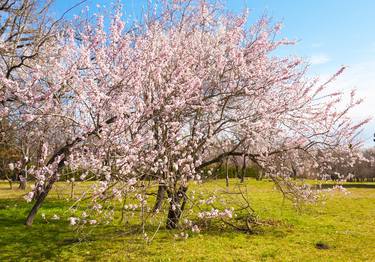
(344, 224)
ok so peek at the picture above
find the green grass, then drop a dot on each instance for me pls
(345, 224)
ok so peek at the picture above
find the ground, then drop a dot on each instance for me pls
(341, 228)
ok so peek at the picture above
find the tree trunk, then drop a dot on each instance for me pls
(294, 171)
(243, 170)
(23, 181)
(260, 174)
(176, 207)
(72, 189)
(39, 200)
(9, 181)
(159, 198)
(227, 174)
(23, 184)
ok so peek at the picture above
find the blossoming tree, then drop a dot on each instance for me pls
(167, 98)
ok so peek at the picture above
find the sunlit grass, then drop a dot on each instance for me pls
(345, 224)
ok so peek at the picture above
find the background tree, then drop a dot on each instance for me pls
(24, 30)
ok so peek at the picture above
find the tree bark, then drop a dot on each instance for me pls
(72, 190)
(159, 198)
(260, 174)
(41, 195)
(38, 203)
(243, 170)
(23, 180)
(237, 171)
(9, 181)
(294, 171)
(23, 184)
(177, 205)
(226, 174)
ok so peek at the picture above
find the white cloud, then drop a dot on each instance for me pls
(319, 59)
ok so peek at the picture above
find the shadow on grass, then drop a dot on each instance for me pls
(7, 189)
(57, 240)
(17, 241)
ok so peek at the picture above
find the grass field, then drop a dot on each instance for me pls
(344, 224)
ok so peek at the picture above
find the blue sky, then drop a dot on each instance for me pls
(331, 33)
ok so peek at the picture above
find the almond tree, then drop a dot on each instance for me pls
(25, 29)
(155, 100)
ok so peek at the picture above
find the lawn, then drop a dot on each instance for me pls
(344, 225)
